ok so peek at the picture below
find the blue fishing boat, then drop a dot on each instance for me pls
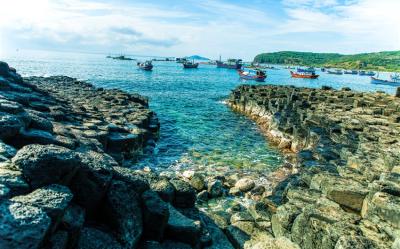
(257, 75)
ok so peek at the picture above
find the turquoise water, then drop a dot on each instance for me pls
(197, 129)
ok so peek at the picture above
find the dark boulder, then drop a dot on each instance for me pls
(42, 165)
(9, 125)
(52, 199)
(123, 213)
(185, 194)
(91, 181)
(92, 238)
(155, 215)
(182, 228)
(22, 226)
(131, 177)
(164, 189)
(72, 222)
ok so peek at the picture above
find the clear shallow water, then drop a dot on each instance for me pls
(197, 129)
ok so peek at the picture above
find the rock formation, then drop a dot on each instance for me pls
(345, 191)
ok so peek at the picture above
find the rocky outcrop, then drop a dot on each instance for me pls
(64, 148)
(344, 188)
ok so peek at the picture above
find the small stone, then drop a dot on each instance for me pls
(245, 184)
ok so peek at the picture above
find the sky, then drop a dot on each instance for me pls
(231, 28)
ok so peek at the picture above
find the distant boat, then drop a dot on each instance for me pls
(392, 82)
(337, 72)
(323, 69)
(190, 64)
(259, 75)
(147, 65)
(350, 72)
(309, 70)
(364, 73)
(231, 64)
(304, 75)
(121, 57)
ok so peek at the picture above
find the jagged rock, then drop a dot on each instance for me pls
(52, 199)
(267, 241)
(124, 214)
(92, 238)
(164, 189)
(131, 177)
(155, 215)
(320, 225)
(91, 180)
(382, 206)
(22, 226)
(42, 165)
(185, 194)
(181, 228)
(283, 219)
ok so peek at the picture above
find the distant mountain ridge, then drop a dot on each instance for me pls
(384, 61)
(197, 57)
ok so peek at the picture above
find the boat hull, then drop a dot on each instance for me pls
(258, 78)
(196, 65)
(303, 76)
(146, 68)
(384, 82)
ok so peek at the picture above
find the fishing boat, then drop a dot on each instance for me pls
(304, 75)
(147, 65)
(392, 82)
(364, 73)
(309, 70)
(259, 75)
(231, 64)
(350, 72)
(190, 64)
(336, 71)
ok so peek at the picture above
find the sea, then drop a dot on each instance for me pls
(197, 128)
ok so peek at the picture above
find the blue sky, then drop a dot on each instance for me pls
(235, 28)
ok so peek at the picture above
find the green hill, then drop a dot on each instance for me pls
(383, 61)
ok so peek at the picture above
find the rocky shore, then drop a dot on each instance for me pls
(66, 180)
(64, 148)
(345, 189)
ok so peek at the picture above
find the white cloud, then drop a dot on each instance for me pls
(364, 25)
(207, 27)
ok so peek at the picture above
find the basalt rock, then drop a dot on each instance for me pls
(63, 148)
(345, 191)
